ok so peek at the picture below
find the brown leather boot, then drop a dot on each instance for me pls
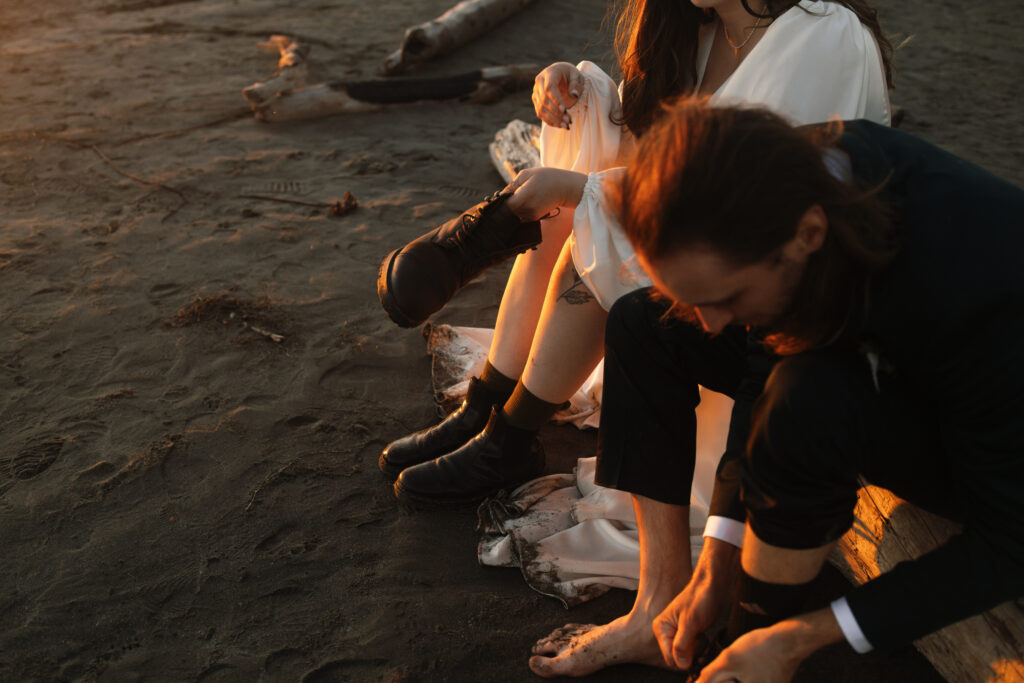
(417, 280)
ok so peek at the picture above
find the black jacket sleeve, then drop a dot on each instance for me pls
(726, 500)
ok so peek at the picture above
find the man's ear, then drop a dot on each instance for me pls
(810, 234)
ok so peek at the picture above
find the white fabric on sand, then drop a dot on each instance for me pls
(574, 540)
(814, 63)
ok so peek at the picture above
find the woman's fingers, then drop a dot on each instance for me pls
(551, 112)
(545, 111)
(555, 90)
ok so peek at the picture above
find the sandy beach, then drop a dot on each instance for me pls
(184, 498)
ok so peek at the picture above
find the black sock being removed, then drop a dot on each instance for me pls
(760, 604)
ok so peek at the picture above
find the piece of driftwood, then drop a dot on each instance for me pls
(987, 648)
(515, 147)
(329, 99)
(291, 69)
(459, 25)
(339, 207)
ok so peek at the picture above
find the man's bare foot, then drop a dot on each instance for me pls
(582, 649)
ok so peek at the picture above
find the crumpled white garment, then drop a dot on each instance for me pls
(815, 62)
(574, 540)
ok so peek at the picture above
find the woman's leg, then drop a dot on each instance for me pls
(523, 300)
(566, 348)
(569, 340)
(517, 321)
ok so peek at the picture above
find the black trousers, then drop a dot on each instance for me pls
(804, 428)
(653, 365)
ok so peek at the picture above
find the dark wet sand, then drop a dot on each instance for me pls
(184, 499)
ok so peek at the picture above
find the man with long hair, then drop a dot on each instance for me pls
(861, 294)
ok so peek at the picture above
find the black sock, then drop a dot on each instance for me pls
(523, 410)
(496, 386)
(760, 604)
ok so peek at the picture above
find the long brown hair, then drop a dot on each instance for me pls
(738, 180)
(656, 45)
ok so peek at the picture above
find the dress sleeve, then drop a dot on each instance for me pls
(592, 141)
(818, 61)
(601, 252)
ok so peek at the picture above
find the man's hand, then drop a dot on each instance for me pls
(695, 609)
(772, 655)
(540, 190)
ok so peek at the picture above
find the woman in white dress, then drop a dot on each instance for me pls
(806, 60)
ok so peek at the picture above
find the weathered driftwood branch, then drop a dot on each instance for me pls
(329, 99)
(291, 69)
(988, 648)
(459, 25)
(339, 207)
(515, 147)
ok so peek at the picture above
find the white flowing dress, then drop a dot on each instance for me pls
(573, 539)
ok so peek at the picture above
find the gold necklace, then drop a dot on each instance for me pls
(736, 48)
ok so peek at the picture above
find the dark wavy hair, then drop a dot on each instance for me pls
(737, 180)
(656, 45)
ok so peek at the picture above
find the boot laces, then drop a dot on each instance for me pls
(476, 244)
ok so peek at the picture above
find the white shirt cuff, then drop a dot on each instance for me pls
(850, 627)
(725, 529)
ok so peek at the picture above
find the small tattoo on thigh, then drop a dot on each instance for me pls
(577, 293)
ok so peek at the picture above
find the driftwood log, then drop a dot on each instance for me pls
(459, 25)
(515, 147)
(329, 99)
(988, 648)
(291, 69)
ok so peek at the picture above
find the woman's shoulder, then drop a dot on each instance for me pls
(826, 23)
(824, 13)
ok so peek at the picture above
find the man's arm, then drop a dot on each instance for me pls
(727, 515)
(976, 385)
(772, 655)
(694, 610)
(975, 571)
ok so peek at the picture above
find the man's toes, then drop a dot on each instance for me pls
(577, 629)
(547, 667)
(560, 638)
(567, 631)
(549, 646)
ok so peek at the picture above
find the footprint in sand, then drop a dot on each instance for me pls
(164, 290)
(33, 460)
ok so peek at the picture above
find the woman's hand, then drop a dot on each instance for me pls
(536, 192)
(555, 90)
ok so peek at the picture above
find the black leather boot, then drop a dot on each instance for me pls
(462, 425)
(499, 457)
(416, 281)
